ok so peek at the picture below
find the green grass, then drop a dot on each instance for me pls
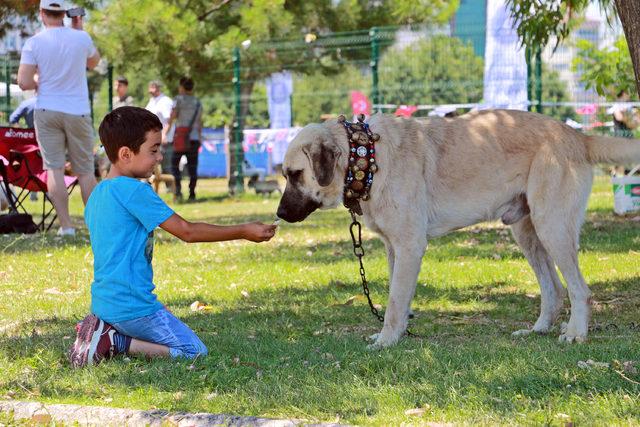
(291, 347)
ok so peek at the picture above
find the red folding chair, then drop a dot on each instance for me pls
(26, 171)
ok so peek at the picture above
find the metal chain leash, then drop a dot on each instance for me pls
(356, 237)
(358, 250)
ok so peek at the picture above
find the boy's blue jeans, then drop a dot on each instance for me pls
(164, 328)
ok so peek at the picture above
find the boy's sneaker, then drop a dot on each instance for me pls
(94, 342)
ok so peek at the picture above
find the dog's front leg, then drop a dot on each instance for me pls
(406, 267)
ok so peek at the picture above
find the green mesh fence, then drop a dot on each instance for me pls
(422, 65)
(9, 99)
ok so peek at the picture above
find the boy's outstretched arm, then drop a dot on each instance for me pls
(202, 232)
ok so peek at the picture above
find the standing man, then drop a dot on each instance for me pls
(161, 105)
(61, 57)
(122, 99)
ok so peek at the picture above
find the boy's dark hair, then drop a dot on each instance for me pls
(186, 83)
(126, 127)
(54, 14)
(122, 79)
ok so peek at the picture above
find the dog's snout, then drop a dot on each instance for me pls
(294, 206)
(283, 213)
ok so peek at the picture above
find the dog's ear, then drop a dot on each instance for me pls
(323, 157)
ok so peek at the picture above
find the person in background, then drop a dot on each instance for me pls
(25, 110)
(62, 118)
(161, 105)
(186, 113)
(122, 99)
(625, 118)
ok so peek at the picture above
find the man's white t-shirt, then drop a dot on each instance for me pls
(161, 106)
(61, 55)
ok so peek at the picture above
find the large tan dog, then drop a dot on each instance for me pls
(444, 174)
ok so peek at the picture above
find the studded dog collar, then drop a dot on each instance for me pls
(362, 162)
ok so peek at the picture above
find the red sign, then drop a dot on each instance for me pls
(406, 110)
(360, 103)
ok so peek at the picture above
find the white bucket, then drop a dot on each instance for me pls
(626, 193)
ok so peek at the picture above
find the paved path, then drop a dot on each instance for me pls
(42, 413)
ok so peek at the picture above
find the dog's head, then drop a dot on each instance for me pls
(314, 166)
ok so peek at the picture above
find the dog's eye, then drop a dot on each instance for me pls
(294, 176)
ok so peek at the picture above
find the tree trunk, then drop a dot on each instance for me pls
(629, 13)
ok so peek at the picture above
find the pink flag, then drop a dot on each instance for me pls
(360, 103)
(587, 110)
(406, 110)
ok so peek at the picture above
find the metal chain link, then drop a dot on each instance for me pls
(358, 250)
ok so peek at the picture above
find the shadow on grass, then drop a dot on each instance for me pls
(304, 348)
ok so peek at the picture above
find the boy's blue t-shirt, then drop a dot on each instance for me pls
(121, 214)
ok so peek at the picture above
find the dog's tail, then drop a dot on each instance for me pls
(612, 150)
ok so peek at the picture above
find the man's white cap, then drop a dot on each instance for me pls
(52, 5)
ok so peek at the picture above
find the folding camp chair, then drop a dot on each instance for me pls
(13, 222)
(26, 171)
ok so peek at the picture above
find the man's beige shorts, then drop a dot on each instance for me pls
(58, 133)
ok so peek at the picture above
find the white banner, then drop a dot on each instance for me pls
(279, 90)
(505, 66)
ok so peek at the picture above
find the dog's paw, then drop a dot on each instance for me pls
(374, 337)
(570, 339)
(563, 327)
(572, 334)
(383, 340)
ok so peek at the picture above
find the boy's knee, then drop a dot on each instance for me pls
(193, 350)
(202, 349)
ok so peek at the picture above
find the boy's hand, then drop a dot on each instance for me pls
(259, 232)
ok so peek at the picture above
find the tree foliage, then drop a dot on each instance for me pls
(438, 70)
(14, 8)
(607, 70)
(317, 94)
(177, 37)
(555, 90)
(537, 21)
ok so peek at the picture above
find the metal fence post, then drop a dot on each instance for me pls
(539, 79)
(375, 56)
(110, 94)
(7, 76)
(529, 77)
(238, 183)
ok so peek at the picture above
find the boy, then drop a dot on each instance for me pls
(121, 215)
